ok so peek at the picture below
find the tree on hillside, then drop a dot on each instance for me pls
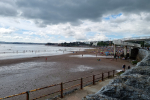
(102, 43)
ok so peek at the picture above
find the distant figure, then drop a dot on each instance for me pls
(116, 58)
(82, 55)
(124, 66)
(98, 59)
(123, 58)
(46, 59)
(128, 67)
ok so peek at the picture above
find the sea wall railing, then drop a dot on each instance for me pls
(80, 83)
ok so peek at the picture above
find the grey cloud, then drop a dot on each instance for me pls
(88, 29)
(70, 33)
(102, 30)
(72, 11)
(81, 38)
(113, 25)
(5, 32)
(67, 28)
(148, 18)
(40, 23)
(118, 20)
(144, 31)
(7, 8)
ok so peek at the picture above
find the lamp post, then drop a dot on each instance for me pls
(110, 42)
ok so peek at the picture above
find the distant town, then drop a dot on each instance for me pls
(71, 44)
(77, 43)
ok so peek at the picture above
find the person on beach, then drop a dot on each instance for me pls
(98, 59)
(123, 58)
(116, 58)
(147, 48)
(124, 66)
(129, 67)
(119, 57)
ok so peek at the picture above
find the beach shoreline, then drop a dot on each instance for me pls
(31, 73)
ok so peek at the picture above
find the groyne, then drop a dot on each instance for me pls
(132, 84)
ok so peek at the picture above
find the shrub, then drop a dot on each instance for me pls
(134, 62)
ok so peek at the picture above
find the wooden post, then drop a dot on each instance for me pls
(93, 79)
(27, 95)
(81, 84)
(113, 72)
(102, 76)
(61, 90)
(108, 74)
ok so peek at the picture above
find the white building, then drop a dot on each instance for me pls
(94, 43)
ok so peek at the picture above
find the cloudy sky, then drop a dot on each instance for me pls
(73, 20)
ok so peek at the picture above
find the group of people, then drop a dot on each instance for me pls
(109, 50)
(124, 67)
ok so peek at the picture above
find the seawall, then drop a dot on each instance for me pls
(132, 84)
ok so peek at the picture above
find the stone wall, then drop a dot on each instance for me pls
(134, 84)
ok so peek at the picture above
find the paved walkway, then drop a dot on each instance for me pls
(79, 94)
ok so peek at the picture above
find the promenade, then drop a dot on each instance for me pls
(91, 89)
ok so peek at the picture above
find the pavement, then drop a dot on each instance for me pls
(91, 89)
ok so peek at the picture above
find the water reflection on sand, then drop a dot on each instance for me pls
(25, 65)
(80, 68)
(86, 55)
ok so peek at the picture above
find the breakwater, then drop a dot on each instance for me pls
(132, 84)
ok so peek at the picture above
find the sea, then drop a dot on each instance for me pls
(15, 51)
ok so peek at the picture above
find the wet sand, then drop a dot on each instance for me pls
(20, 75)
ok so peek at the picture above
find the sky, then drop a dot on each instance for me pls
(57, 21)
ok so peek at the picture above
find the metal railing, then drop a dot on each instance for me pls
(62, 84)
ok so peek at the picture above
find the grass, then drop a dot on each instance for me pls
(134, 62)
(119, 73)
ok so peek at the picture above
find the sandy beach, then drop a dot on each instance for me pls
(25, 74)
